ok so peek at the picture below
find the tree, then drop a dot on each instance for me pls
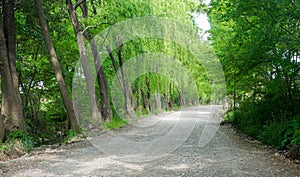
(126, 90)
(12, 108)
(96, 115)
(72, 121)
(102, 82)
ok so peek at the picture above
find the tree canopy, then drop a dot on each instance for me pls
(258, 45)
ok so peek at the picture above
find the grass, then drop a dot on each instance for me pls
(115, 123)
(229, 116)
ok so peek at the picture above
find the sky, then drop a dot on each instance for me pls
(202, 21)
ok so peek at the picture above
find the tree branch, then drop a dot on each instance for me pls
(78, 3)
(281, 26)
(109, 51)
(94, 26)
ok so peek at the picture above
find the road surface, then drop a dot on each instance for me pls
(189, 142)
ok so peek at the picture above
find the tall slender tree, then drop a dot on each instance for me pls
(96, 115)
(72, 121)
(101, 77)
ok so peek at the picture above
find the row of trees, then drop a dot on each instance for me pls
(258, 45)
(40, 101)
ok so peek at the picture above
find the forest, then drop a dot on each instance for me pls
(68, 67)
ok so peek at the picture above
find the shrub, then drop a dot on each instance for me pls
(22, 137)
(291, 132)
(116, 122)
(70, 135)
(272, 133)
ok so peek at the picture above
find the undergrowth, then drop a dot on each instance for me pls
(115, 123)
(272, 125)
(23, 139)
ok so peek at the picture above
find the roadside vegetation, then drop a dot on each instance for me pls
(258, 45)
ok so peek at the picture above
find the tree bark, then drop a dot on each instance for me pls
(120, 76)
(158, 102)
(10, 36)
(2, 128)
(102, 82)
(127, 88)
(101, 78)
(96, 115)
(73, 123)
(145, 102)
(12, 108)
(150, 106)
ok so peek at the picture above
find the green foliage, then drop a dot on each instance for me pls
(3, 147)
(115, 123)
(43, 106)
(265, 122)
(272, 133)
(26, 140)
(70, 135)
(258, 44)
(291, 132)
(282, 134)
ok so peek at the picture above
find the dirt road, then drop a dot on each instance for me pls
(182, 143)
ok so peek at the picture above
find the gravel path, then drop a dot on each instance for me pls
(183, 143)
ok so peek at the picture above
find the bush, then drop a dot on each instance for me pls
(70, 135)
(3, 147)
(272, 133)
(19, 136)
(248, 122)
(273, 127)
(116, 122)
(267, 121)
(291, 132)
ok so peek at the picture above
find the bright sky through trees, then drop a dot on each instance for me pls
(202, 22)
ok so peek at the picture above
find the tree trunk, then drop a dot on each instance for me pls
(145, 102)
(2, 128)
(101, 78)
(96, 115)
(150, 106)
(171, 99)
(12, 108)
(120, 76)
(127, 88)
(73, 123)
(104, 95)
(180, 99)
(158, 102)
(10, 36)
(89, 78)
